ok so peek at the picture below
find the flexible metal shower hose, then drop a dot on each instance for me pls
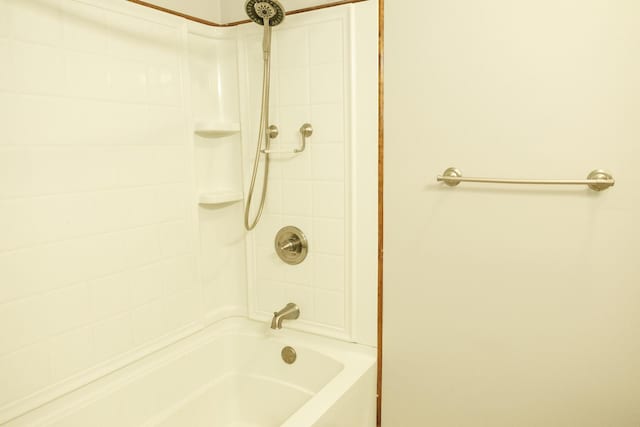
(263, 134)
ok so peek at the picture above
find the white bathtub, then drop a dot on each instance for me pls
(229, 375)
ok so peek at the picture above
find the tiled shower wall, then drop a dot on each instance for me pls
(311, 82)
(99, 254)
(97, 247)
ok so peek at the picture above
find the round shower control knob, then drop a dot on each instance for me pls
(291, 245)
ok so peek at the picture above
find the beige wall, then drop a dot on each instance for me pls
(511, 306)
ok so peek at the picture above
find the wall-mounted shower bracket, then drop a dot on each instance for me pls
(306, 130)
(273, 131)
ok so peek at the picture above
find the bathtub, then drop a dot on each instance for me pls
(230, 374)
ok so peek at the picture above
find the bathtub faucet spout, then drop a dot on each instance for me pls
(289, 312)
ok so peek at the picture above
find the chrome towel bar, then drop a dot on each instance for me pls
(597, 180)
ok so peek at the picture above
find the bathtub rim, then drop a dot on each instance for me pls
(355, 358)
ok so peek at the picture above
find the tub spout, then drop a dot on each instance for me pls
(289, 312)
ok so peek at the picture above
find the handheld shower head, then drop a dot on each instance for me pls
(259, 10)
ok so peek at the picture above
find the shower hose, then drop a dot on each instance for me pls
(263, 135)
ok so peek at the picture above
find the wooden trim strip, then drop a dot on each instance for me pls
(176, 13)
(244, 21)
(380, 200)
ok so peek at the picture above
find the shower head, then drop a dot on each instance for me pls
(258, 10)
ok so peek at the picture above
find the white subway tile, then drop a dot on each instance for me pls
(270, 296)
(73, 261)
(109, 296)
(8, 130)
(43, 120)
(210, 294)
(268, 265)
(127, 124)
(89, 122)
(127, 35)
(326, 43)
(298, 166)
(328, 199)
(293, 49)
(112, 337)
(328, 162)
(273, 203)
(297, 198)
(169, 165)
(330, 308)
(148, 322)
(167, 126)
(85, 27)
(37, 21)
(146, 284)
(329, 236)
(121, 209)
(24, 372)
(163, 84)
(17, 224)
(276, 163)
(304, 298)
(234, 272)
(163, 44)
(139, 247)
(67, 309)
(23, 322)
(29, 320)
(294, 86)
(304, 223)
(328, 272)
(183, 308)
(171, 202)
(139, 166)
(7, 69)
(300, 274)
(326, 83)
(16, 168)
(41, 68)
(71, 353)
(178, 274)
(291, 119)
(328, 123)
(65, 170)
(87, 75)
(81, 122)
(267, 228)
(128, 80)
(56, 218)
(175, 238)
(19, 278)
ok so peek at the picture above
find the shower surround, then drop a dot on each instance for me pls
(124, 146)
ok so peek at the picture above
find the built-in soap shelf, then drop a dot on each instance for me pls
(215, 129)
(220, 197)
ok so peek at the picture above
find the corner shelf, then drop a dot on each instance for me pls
(220, 197)
(212, 129)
